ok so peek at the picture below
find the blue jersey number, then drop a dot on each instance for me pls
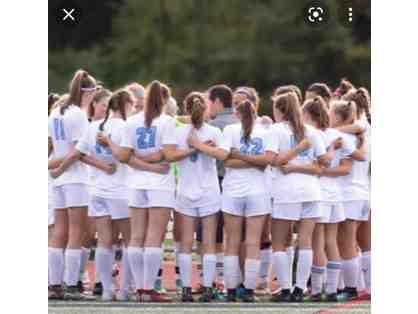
(59, 130)
(146, 137)
(254, 147)
(102, 150)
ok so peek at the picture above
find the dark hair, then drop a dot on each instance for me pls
(288, 88)
(52, 99)
(288, 104)
(321, 89)
(117, 102)
(361, 97)
(221, 92)
(344, 87)
(165, 92)
(251, 94)
(247, 113)
(98, 96)
(154, 102)
(194, 104)
(317, 109)
(81, 80)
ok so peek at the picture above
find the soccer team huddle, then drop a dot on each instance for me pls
(236, 185)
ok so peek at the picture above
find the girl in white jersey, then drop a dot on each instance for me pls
(296, 194)
(108, 199)
(198, 196)
(149, 133)
(66, 125)
(325, 246)
(244, 198)
(355, 198)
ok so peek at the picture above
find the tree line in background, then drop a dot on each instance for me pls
(193, 44)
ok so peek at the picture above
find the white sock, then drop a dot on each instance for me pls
(303, 269)
(209, 269)
(153, 257)
(176, 254)
(317, 279)
(85, 253)
(360, 280)
(341, 284)
(136, 261)
(290, 251)
(350, 272)
(185, 265)
(333, 275)
(232, 269)
(219, 267)
(199, 267)
(126, 271)
(265, 260)
(280, 264)
(55, 265)
(72, 263)
(367, 269)
(104, 264)
(252, 266)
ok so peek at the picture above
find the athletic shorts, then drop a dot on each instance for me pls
(357, 210)
(296, 211)
(246, 206)
(151, 198)
(331, 212)
(115, 208)
(70, 195)
(208, 205)
(51, 215)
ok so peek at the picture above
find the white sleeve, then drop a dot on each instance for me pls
(318, 144)
(218, 137)
(117, 135)
(272, 141)
(227, 138)
(168, 135)
(78, 125)
(128, 138)
(348, 146)
(83, 143)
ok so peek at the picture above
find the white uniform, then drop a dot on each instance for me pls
(51, 217)
(296, 195)
(331, 206)
(108, 192)
(150, 189)
(244, 191)
(69, 189)
(198, 192)
(355, 187)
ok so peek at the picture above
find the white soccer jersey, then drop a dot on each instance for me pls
(145, 140)
(295, 187)
(250, 181)
(356, 185)
(330, 187)
(65, 130)
(105, 185)
(197, 173)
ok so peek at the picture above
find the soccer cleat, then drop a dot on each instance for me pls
(332, 297)
(283, 296)
(98, 288)
(206, 296)
(55, 292)
(297, 295)
(316, 298)
(187, 295)
(248, 296)
(240, 291)
(350, 294)
(158, 286)
(72, 293)
(80, 286)
(179, 284)
(231, 295)
(154, 296)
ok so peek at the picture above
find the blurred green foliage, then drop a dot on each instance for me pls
(193, 44)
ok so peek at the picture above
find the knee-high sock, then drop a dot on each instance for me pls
(291, 256)
(104, 264)
(209, 269)
(350, 272)
(367, 269)
(126, 271)
(252, 266)
(333, 275)
(72, 263)
(232, 271)
(304, 266)
(265, 260)
(185, 265)
(136, 261)
(280, 264)
(153, 257)
(55, 265)
(317, 279)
